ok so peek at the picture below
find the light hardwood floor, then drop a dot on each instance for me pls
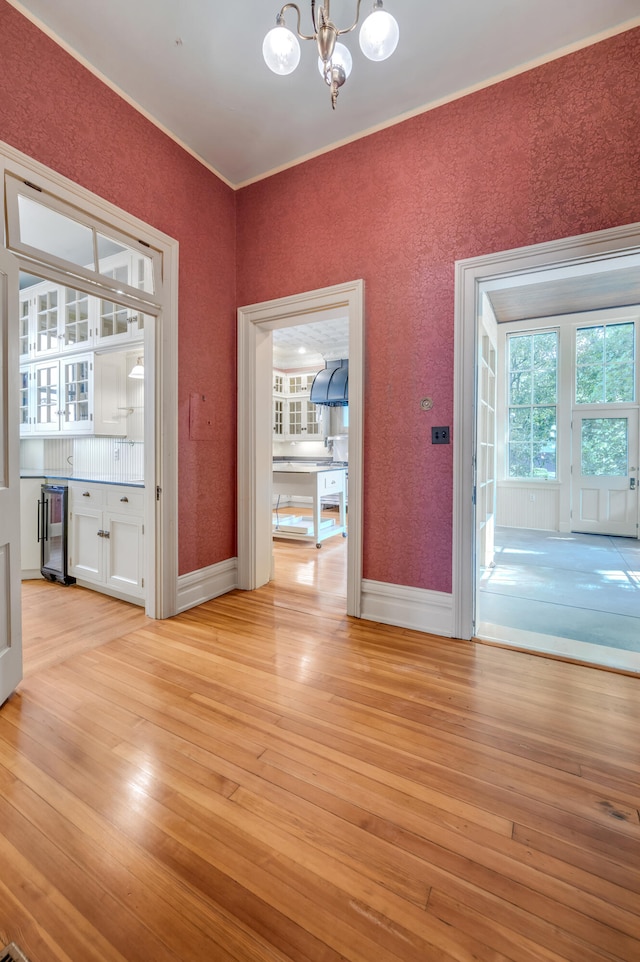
(263, 779)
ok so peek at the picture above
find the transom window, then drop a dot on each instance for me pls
(605, 364)
(532, 404)
(46, 229)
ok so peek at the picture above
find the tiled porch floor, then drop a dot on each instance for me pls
(579, 587)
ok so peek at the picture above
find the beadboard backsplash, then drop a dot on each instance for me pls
(113, 459)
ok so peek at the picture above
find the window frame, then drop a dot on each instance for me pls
(128, 294)
(505, 470)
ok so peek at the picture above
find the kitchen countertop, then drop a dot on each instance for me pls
(86, 478)
(301, 468)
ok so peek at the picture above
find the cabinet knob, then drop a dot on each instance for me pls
(86, 494)
(125, 499)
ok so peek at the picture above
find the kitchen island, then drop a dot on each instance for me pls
(309, 481)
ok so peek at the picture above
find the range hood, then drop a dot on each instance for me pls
(331, 386)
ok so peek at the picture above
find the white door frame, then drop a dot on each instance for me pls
(161, 384)
(255, 454)
(519, 264)
(10, 610)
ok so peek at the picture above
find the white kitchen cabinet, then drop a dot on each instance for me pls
(278, 418)
(55, 319)
(29, 544)
(26, 402)
(76, 395)
(301, 423)
(106, 538)
(294, 417)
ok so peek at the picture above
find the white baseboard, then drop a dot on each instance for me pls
(404, 607)
(202, 585)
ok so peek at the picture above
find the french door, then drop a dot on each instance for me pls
(10, 614)
(604, 480)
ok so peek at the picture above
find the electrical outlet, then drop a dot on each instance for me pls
(440, 435)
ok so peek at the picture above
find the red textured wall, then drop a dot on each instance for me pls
(550, 153)
(57, 112)
(553, 152)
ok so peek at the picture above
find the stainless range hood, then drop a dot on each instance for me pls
(331, 386)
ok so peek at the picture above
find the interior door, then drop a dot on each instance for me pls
(486, 442)
(10, 614)
(604, 488)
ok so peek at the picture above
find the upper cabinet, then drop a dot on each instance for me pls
(294, 417)
(79, 394)
(70, 382)
(55, 319)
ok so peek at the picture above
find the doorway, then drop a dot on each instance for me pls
(255, 387)
(90, 214)
(595, 271)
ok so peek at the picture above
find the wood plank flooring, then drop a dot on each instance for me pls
(263, 779)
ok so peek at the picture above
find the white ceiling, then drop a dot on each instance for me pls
(310, 345)
(196, 67)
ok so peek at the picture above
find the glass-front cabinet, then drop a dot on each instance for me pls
(62, 396)
(47, 322)
(76, 410)
(76, 331)
(55, 319)
(294, 416)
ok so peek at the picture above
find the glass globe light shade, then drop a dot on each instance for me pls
(281, 50)
(341, 57)
(379, 35)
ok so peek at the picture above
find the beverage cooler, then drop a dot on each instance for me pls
(52, 533)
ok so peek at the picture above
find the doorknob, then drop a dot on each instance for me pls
(632, 483)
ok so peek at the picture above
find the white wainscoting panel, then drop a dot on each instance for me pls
(404, 607)
(529, 506)
(202, 585)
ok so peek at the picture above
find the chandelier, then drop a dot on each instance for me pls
(378, 39)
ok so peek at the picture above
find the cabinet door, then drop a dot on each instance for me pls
(314, 427)
(76, 331)
(109, 395)
(29, 544)
(25, 340)
(115, 322)
(296, 425)
(47, 322)
(86, 544)
(124, 554)
(46, 378)
(278, 418)
(77, 381)
(26, 401)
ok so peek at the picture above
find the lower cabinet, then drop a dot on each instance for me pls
(106, 537)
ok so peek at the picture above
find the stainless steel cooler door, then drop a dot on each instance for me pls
(52, 530)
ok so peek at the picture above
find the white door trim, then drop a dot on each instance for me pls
(470, 274)
(161, 384)
(255, 365)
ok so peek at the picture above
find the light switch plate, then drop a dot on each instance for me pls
(440, 435)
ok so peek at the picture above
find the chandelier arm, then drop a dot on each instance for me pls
(294, 6)
(354, 24)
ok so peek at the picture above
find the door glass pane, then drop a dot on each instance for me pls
(50, 231)
(604, 447)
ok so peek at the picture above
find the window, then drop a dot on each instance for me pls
(43, 227)
(532, 405)
(605, 364)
